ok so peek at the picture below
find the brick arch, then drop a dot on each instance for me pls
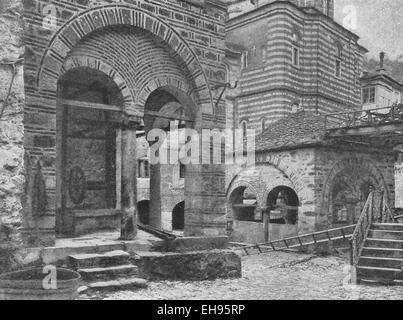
(241, 183)
(262, 188)
(177, 87)
(92, 63)
(364, 163)
(94, 19)
(280, 164)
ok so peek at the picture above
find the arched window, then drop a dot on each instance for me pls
(244, 126)
(295, 47)
(263, 124)
(245, 59)
(338, 59)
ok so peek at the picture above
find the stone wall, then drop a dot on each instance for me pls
(316, 175)
(11, 123)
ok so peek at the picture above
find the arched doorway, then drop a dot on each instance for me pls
(178, 217)
(143, 211)
(89, 105)
(171, 112)
(283, 204)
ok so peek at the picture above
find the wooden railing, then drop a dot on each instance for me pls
(376, 210)
(386, 212)
(361, 230)
(361, 118)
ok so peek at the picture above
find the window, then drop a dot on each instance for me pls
(338, 68)
(143, 168)
(254, 51)
(244, 129)
(295, 56)
(182, 171)
(245, 57)
(263, 123)
(263, 48)
(368, 95)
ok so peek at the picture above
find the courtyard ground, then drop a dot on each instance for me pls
(271, 276)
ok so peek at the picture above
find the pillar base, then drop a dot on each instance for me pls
(33, 238)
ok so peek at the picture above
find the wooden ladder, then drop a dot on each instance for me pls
(342, 233)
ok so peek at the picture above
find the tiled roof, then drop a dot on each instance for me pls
(298, 129)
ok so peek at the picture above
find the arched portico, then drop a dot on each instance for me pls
(140, 54)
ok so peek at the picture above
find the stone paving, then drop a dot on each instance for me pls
(271, 276)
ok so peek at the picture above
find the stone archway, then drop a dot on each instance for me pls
(347, 187)
(88, 21)
(123, 28)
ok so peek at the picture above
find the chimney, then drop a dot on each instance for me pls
(382, 62)
(381, 59)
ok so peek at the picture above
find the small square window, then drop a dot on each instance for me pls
(368, 95)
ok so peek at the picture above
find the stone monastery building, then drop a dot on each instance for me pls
(91, 79)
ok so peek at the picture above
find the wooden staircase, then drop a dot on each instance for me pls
(377, 244)
(381, 259)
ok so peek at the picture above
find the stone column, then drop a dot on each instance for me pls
(205, 197)
(155, 195)
(129, 180)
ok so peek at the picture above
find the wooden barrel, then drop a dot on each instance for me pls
(28, 285)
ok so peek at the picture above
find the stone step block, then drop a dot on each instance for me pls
(386, 234)
(118, 285)
(387, 226)
(112, 258)
(382, 252)
(108, 273)
(381, 262)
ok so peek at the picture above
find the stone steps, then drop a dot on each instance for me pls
(117, 257)
(381, 259)
(384, 243)
(378, 274)
(119, 284)
(387, 226)
(386, 234)
(382, 252)
(108, 271)
(395, 263)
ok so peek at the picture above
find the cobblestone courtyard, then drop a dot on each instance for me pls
(272, 276)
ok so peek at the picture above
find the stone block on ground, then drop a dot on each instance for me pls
(200, 265)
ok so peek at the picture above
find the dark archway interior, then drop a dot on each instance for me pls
(243, 203)
(283, 203)
(143, 208)
(178, 216)
(86, 148)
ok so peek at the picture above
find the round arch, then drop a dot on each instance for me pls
(93, 19)
(361, 170)
(89, 62)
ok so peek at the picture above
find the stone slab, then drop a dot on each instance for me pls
(199, 265)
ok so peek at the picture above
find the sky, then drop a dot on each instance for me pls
(379, 24)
